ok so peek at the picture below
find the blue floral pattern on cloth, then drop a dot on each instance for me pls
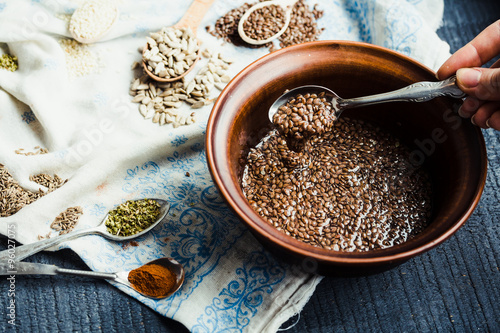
(362, 13)
(240, 300)
(101, 99)
(401, 29)
(179, 140)
(51, 64)
(28, 117)
(2, 6)
(97, 210)
(200, 227)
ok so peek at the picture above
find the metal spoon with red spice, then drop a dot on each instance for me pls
(157, 279)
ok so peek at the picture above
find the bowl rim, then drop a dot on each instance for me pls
(307, 250)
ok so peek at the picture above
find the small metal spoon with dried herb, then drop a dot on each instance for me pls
(132, 217)
(126, 221)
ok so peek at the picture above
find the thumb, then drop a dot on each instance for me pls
(482, 83)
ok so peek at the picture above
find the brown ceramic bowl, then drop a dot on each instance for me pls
(452, 149)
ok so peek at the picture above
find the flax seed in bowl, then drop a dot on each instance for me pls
(418, 164)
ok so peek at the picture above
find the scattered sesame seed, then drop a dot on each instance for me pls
(80, 60)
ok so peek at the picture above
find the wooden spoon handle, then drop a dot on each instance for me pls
(194, 14)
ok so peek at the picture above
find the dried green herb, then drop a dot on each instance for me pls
(132, 217)
(8, 62)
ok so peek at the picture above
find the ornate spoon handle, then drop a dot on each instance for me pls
(31, 268)
(23, 251)
(28, 268)
(417, 92)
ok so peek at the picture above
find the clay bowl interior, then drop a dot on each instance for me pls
(452, 149)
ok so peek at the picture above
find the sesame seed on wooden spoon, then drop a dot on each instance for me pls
(92, 21)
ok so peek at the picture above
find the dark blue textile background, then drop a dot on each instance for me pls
(453, 288)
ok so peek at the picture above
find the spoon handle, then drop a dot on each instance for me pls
(417, 92)
(21, 252)
(92, 274)
(194, 14)
(29, 268)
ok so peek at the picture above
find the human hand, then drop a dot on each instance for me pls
(481, 84)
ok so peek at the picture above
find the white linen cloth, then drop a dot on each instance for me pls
(98, 140)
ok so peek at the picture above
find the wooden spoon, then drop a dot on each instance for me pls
(287, 6)
(84, 9)
(191, 19)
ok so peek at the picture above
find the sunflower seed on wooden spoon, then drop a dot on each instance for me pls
(180, 46)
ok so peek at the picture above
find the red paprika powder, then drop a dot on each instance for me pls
(152, 280)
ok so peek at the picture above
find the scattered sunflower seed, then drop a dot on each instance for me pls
(162, 102)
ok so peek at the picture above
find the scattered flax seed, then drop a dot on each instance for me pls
(302, 28)
(67, 220)
(13, 197)
(8, 62)
(37, 151)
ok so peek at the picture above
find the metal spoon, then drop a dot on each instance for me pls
(287, 5)
(24, 251)
(417, 92)
(99, 36)
(28, 268)
(191, 19)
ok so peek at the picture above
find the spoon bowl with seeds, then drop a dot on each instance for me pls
(150, 212)
(171, 53)
(417, 92)
(251, 28)
(92, 21)
(121, 277)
